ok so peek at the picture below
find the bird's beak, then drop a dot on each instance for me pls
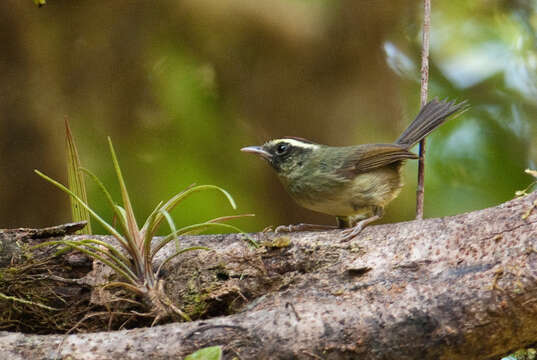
(258, 150)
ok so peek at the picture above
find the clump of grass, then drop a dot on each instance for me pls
(75, 181)
(134, 261)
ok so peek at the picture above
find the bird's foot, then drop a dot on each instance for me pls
(350, 233)
(302, 227)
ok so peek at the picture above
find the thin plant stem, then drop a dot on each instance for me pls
(420, 192)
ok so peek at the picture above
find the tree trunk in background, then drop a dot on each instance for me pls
(460, 287)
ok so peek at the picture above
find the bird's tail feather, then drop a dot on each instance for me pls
(432, 115)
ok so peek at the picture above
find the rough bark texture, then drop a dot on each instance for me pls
(461, 287)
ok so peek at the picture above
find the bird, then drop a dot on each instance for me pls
(352, 183)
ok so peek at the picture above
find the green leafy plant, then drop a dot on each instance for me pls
(134, 261)
(208, 353)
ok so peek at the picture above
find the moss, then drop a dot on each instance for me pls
(278, 242)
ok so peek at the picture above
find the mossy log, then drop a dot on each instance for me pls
(460, 287)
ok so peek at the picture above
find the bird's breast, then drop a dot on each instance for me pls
(345, 197)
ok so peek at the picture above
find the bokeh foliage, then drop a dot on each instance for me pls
(181, 86)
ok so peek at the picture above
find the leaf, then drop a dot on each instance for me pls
(120, 213)
(131, 220)
(174, 201)
(75, 181)
(171, 224)
(92, 251)
(106, 225)
(148, 222)
(208, 353)
(187, 229)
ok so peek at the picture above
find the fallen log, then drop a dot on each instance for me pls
(459, 287)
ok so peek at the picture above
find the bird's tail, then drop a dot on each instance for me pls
(432, 115)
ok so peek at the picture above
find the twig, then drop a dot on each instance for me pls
(420, 192)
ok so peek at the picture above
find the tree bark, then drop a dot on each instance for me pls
(460, 287)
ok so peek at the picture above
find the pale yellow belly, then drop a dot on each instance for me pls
(372, 189)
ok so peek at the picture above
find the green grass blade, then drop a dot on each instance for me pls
(227, 218)
(183, 230)
(115, 267)
(108, 197)
(106, 225)
(148, 237)
(173, 229)
(121, 214)
(122, 258)
(131, 220)
(148, 222)
(90, 253)
(75, 181)
(174, 201)
(126, 270)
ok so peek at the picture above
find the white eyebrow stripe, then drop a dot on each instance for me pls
(296, 143)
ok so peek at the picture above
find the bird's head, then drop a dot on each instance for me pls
(286, 154)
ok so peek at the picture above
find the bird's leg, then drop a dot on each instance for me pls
(303, 227)
(350, 233)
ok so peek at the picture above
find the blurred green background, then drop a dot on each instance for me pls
(181, 86)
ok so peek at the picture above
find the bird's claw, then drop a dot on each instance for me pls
(267, 229)
(279, 229)
(352, 232)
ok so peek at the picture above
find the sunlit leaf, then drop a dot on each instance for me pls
(208, 353)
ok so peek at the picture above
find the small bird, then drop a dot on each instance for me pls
(352, 183)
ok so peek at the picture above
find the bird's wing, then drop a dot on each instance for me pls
(365, 158)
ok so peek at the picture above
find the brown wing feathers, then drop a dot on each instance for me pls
(368, 157)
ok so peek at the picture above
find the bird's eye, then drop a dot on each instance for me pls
(282, 149)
